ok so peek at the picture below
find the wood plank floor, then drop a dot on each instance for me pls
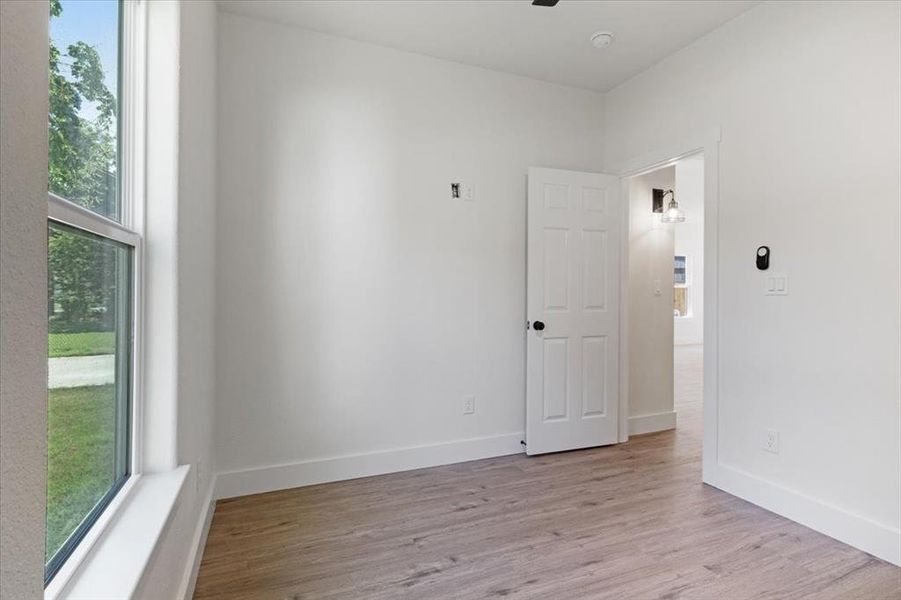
(627, 521)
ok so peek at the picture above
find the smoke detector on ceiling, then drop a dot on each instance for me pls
(601, 39)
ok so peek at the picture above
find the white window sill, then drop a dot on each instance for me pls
(110, 564)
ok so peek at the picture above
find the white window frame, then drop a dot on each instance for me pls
(132, 132)
(687, 286)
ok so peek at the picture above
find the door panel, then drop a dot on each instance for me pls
(594, 376)
(556, 196)
(594, 259)
(572, 386)
(556, 269)
(594, 199)
(556, 361)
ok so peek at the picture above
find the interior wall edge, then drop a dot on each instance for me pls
(23, 296)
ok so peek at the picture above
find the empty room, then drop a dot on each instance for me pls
(547, 299)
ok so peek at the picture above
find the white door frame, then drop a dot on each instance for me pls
(707, 145)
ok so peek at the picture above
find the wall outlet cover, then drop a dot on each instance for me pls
(469, 405)
(772, 441)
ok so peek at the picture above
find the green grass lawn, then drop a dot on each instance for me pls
(80, 456)
(90, 343)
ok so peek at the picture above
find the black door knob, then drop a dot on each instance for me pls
(538, 325)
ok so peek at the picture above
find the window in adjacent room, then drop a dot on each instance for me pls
(93, 269)
(681, 306)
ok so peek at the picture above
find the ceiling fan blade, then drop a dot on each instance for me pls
(545, 2)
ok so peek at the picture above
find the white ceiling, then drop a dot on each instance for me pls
(551, 44)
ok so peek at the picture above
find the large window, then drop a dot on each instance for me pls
(93, 270)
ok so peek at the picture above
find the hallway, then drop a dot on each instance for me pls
(688, 391)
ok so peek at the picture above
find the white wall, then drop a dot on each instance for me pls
(650, 313)
(171, 572)
(689, 238)
(807, 95)
(358, 303)
(23, 296)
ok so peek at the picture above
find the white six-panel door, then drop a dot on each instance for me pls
(572, 364)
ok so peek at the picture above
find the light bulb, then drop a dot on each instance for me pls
(673, 214)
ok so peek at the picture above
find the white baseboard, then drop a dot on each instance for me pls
(324, 470)
(650, 423)
(198, 543)
(855, 530)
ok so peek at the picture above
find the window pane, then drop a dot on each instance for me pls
(84, 81)
(679, 269)
(89, 306)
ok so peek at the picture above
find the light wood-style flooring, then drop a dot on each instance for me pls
(631, 521)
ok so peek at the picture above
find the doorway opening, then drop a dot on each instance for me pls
(665, 297)
(584, 328)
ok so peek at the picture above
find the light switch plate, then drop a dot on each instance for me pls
(775, 284)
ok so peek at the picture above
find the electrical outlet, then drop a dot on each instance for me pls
(772, 441)
(469, 405)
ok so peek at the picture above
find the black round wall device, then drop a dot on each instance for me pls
(763, 258)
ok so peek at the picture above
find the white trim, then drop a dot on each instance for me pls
(159, 313)
(663, 421)
(64, 211)
(198, 543)
(711, 316)
(855, 530)
(340, 468)
(666, 157)
(624, 253)
(132, 167)
(137, 362)
(115, 566)
(134, 105)
(82, 551)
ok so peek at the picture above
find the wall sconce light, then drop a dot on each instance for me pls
(672, 213)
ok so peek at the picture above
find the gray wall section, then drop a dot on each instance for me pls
(23, 296)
